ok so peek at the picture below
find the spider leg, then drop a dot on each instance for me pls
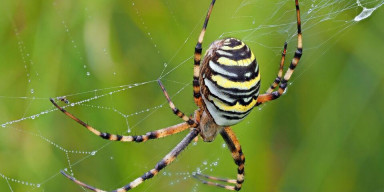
(239, 158)
(175, 110)
(159, 166)
(280, 73)
(80, 183)
(233, 181)
(229, 187)
(127, 138)
(197, 60)
(299, 51)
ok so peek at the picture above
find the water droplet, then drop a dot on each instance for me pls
(38, 185)
(165, 64)
(32, 91)
(364, 14)
(88, 73)
(205, 163)
(93, 152)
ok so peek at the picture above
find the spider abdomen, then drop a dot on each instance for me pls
(230, 81)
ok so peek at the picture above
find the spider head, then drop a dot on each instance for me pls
(208, 127)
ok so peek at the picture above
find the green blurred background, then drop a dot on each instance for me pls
(325, 134)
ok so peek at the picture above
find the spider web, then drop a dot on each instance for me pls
(104, 58)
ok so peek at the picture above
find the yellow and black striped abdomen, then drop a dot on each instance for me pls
(230, 81)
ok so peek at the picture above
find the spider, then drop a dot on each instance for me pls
(225, 89)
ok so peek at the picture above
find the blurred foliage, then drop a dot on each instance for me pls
(325, 134)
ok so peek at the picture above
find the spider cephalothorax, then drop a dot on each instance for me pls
(225, 89)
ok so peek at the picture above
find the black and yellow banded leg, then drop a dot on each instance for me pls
(127, 138)
(280, 72)
(239, 158)
(296, 58)
(197, 59)
(159, 166)
(175, 110)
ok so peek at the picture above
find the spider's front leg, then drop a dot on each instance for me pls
(127, 138)
(239, 158)
(169, 158)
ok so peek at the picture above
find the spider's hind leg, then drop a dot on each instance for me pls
(269, 95)
(197, 59)
(280, 72)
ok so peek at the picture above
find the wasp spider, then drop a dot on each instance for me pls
(225, 88)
